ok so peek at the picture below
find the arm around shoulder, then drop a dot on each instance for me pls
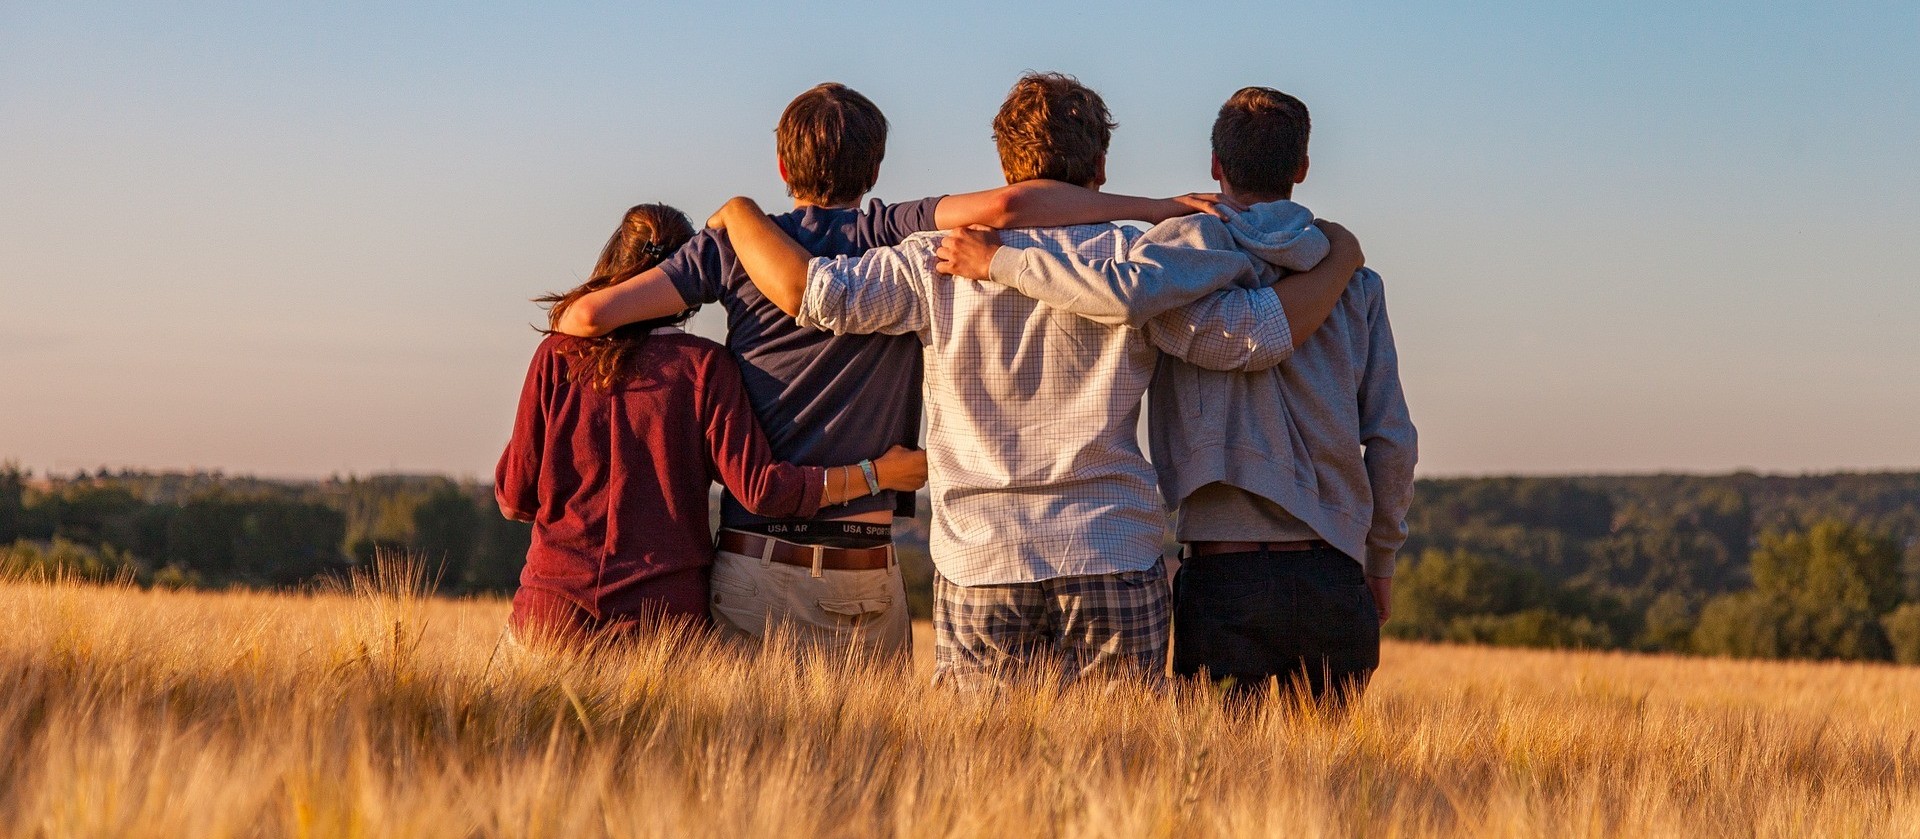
(1171, 265)
(647, 295)
(1044, 203)
(775, 263)
(1310, 296)
(1238, 330)
(883, 291)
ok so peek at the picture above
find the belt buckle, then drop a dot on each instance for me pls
(819, 559)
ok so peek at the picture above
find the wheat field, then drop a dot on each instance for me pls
(377, 711)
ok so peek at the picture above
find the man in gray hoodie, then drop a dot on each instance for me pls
(1291, 484)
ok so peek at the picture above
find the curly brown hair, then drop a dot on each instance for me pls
(647, 234)
(1054, 127)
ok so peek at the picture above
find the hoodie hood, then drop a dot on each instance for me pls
(1280, 234)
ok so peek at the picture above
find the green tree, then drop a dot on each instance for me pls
(13, 500)
(98, 513)
(499, 555)
(1441, 586)
(1539, 627)
(65, 559)
(200, 538)
(284, 542)
(1913, 569)
(446, 527)
(1817, 593)
(1745, 624)
(1669, 624)
(1902, 626)
(1833, 562)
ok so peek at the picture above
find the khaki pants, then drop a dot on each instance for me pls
(863, 611)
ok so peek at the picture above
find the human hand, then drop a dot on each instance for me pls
(1382, 588)
(736, 204)
(1199, 202)
(902, 469)
(968, 252)
(1345, 247)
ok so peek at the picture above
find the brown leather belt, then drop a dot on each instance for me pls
(789, 553)
(1216, 548)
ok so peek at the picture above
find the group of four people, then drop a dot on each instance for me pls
(1027, 326)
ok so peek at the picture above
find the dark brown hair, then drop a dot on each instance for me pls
(647, 234)
(831, 139)
(1260, 139)
(1052, 126)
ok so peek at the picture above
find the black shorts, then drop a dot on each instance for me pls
(1305, 617)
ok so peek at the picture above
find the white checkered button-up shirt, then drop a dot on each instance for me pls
(1035, 470)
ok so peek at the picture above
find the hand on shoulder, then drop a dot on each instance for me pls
(968, 252)
(731, 210)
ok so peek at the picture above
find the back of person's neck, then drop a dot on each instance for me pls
(801, 204)
(1091, 186)
(1251, 198)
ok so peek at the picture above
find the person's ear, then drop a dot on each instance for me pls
(1301, 175)
(1213, 170)
(783, 169)
(1100, 172)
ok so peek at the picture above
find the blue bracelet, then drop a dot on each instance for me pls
(873, 481)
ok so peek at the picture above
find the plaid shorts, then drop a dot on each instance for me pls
(1100, 624)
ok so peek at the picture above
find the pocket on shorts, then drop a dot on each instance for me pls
(858, 597)
(857, 610)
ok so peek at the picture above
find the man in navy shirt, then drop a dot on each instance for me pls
(829, 399)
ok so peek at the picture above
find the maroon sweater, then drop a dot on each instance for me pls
(616, 483)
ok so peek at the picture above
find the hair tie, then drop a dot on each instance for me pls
(653, 250)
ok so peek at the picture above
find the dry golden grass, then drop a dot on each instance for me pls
(151, 713)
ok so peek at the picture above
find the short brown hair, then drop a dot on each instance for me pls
(1052, 126)
(831, 139)
(1260, 139)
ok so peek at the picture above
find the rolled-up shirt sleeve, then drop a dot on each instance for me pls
(882, 291)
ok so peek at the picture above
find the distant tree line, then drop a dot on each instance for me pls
(1822, 566)
(204, 529)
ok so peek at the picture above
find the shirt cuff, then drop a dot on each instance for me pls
(823, 296)
(814, 491)
(1006, 266)
(1379, 563)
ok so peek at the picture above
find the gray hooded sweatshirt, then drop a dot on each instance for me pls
(1325, 435)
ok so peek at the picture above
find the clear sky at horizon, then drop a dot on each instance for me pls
(299, 239)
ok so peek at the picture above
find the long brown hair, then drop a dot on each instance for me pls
(647, 234)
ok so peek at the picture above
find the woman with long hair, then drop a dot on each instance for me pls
(615, 445)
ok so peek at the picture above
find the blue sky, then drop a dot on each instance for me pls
(298, 239)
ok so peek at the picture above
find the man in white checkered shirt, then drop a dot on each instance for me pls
(1047, 522)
